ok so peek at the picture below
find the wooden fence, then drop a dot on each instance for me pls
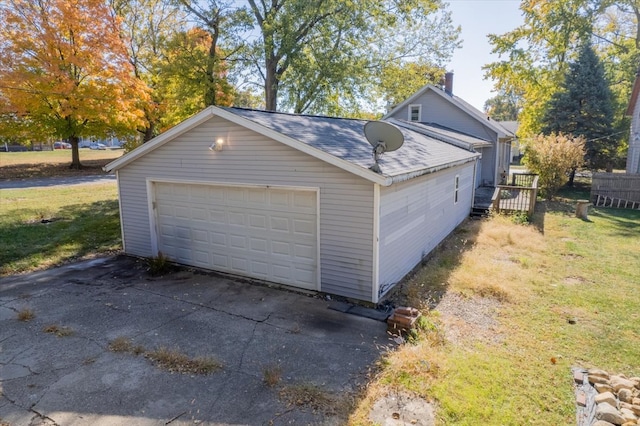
(520, 195)
(615, 190)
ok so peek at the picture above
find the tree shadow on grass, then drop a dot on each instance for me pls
(75, 231)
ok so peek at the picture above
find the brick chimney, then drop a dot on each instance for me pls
(448, 83)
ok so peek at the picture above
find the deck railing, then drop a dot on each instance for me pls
(519, 196)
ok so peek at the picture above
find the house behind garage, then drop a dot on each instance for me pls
(290, 199)
(438, 111)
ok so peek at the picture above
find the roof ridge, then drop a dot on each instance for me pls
(293, 114)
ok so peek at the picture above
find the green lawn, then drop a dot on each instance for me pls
(558, 269)
(83, 221)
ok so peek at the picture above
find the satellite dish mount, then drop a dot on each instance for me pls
(383, 137)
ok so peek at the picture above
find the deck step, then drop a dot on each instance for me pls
(480, 211)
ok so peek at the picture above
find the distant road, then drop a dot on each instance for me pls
(56, 181)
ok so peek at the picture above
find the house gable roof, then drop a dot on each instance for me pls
(460, 103)
(337, 141)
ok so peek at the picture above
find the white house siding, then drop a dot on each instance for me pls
(415, 216)
(346, 200)
(633, 154)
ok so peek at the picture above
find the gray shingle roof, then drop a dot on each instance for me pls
(345, 139)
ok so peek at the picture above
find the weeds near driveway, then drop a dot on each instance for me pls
(175, 361)
(57, 330)
(171, 360)
(26, 314)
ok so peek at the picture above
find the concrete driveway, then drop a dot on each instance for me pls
(318, 357)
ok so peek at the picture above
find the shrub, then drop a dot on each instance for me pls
(552, 158)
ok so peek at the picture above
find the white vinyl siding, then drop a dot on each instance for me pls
(415, 216)
(345, 202)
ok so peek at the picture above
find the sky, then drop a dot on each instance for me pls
(477, 19)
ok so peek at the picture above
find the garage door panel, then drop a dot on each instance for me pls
(182, 232)
(220, 261)
(264, 233)
(217, 216)
(304, 200)
(201, 236)
(304, 227)
(279, 223)
(238, 242)
(258, 221)
(305, 252)
(259, 245)
(260, 269)
(257, 196)
(282, 271)
(281, 248)
(239, 264)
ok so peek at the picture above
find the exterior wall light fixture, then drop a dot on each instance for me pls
(217, 145)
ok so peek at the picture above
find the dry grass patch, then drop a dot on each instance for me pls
(175, 361)
(271, 375)
(310, 396)
(26, 314)
(58, 330)
(124, 344)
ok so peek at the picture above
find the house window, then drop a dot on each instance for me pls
(456, 187)
(415, 112)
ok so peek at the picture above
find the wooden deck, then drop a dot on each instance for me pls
(517, 196)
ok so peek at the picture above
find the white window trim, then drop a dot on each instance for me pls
(419, 113)
(456, 189)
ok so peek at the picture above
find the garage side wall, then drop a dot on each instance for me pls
(415, 216)
(346, 200)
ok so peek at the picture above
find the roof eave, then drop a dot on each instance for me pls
(427, 132)
(429, 170)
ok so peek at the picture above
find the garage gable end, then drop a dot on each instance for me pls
(250, 210)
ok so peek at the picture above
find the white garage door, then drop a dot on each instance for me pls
(263, 233)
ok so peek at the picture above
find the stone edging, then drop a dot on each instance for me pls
(605, 399)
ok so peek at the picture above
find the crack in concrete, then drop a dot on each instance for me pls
(43, 417)
(7, 338)
(164, 323)
(246, 347)
(200, 305)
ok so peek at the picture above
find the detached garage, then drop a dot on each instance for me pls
(290, 199)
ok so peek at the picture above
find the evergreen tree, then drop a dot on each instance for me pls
(584, 107)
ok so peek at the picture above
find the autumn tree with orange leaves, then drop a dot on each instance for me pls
(64, 72)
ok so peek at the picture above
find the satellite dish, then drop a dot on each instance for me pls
(383, 137)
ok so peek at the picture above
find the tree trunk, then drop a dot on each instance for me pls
(148, 132)
(212, 69)
(271, 85)
(75, 152)
(572, 176)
